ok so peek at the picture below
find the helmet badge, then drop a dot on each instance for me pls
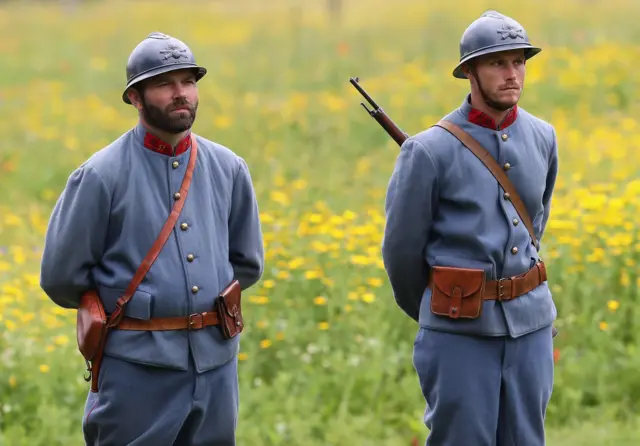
(173, 51)
(511, 31)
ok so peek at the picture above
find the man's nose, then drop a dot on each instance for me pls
(511, 71)
(178, 91)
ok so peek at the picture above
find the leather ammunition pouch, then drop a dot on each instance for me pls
(91, 325)
(91, 334)
(229, 311)
(457, 292)
(461, 292)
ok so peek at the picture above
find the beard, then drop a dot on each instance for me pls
(496, 104)
(166, 121)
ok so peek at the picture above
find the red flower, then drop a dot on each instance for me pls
(343, 48)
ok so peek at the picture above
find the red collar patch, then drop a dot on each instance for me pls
(154, 143)
(482, 119)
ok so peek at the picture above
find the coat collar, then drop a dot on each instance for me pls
(483, 120)
(155, 144)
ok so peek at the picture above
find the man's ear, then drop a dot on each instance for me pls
(134, 96)
(466, 69)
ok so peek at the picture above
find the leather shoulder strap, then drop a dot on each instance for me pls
(153, 253)
(483, 155)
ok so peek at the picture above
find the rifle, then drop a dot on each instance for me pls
(379, 115)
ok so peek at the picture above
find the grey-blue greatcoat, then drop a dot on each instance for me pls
(108, 216)
(443, 207)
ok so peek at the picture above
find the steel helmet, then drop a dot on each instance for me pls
(159, 53)
(490, 33)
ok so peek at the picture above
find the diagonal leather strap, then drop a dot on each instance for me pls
(118, 313)
(483, 155)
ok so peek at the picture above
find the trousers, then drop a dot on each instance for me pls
(484, 391)
(140, 405)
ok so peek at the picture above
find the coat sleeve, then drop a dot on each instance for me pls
(246, 250)
(409, 208)
(552, 175)
(75, 237)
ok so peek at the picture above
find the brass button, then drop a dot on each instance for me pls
(504, 137)
(507, 196)
(184, 226)
(515, 222)
(514, 250)
(176, 196)
(507, 166)
(190, 258)
(194, 289)
(175, 164)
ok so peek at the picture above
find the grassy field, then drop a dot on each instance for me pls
(326, 359)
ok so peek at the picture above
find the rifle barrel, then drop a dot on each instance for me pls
(354, 82)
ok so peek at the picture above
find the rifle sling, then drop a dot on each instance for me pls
(483, 155)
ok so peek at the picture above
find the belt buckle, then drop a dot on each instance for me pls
(501, 287)
(196, 321)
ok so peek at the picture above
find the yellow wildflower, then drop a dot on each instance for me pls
(368, 297)
(604, 326)
(315, 274)
(259, 300)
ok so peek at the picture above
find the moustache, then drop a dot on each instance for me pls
(182, 106)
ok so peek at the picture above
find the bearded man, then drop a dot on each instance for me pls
(168, 375)
(465, 264)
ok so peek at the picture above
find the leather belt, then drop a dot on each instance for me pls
(195, 321)
(512, 287)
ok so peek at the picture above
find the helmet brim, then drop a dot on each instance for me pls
(200, 72)
(529, 53)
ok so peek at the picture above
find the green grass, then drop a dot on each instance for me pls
(603, 433)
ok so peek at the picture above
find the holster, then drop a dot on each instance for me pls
(91, 333)
(229, 309)
(457, 292)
